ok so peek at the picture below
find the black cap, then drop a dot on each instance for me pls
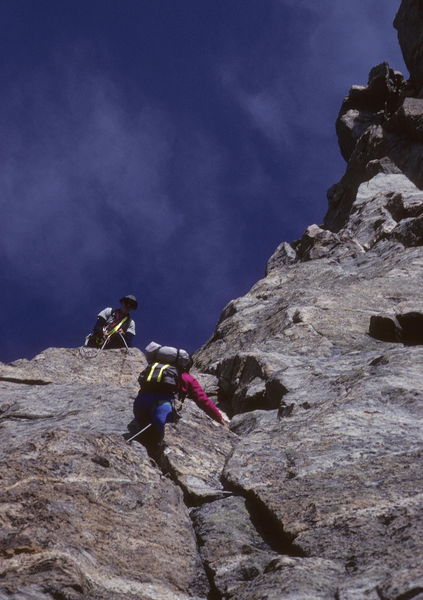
(131, 299)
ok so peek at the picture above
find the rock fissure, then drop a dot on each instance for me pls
(26, 416)
(269, 529)
(25, 381)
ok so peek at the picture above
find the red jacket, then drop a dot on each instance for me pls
(190, 386)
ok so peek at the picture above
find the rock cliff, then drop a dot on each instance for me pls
(316, 492)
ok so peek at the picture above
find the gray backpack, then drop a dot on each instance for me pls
(168, 355)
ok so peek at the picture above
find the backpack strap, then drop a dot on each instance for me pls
(160, 374)
(118, 326)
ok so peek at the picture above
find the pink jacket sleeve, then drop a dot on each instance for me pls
(191, 387)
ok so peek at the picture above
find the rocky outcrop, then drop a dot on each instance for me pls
(380, 125)
(367, 106)
(409, 24)
(317, 490)
(381, 142)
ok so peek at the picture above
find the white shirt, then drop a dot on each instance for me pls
(107, 313)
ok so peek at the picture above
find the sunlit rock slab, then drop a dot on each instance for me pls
(343, 478)
(88, 515)
(317, 308)
(27, 411)
(59, 365)
(196, 451)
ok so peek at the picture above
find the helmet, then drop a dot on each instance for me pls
(185, 360)
(130, 299)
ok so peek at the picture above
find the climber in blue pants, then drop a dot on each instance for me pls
(163, 382)
(156, 409)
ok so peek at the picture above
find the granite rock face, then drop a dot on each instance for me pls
(320, 368)
(329, 416)
(317, 490)
(84, 514)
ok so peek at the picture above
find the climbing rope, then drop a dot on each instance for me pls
(90, 352)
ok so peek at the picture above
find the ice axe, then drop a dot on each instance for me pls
(139, 433)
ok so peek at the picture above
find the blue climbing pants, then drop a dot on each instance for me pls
(154, 408)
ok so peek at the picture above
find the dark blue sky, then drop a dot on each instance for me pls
(164, 149)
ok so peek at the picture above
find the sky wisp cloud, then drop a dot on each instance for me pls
(166, 153)
(77, 182)
(94, 192)
(315, 67)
